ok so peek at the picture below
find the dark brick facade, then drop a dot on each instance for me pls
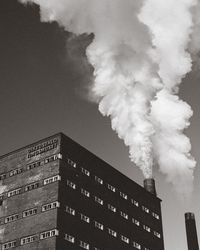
(57, 195)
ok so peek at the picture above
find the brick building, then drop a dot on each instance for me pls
(57, 195)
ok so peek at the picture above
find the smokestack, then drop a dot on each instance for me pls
(191, 231)
(149, 185)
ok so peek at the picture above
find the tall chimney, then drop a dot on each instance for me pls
(191, 231)
(149, 185)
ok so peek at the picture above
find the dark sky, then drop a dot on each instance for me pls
(44, 76)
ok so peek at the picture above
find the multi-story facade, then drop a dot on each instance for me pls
(56, 195)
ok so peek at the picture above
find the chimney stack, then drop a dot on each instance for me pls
(191, 231)
(149, 185)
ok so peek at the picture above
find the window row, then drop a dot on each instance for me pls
(30, 239)
(100, 226)
(34, 185)
(113, 189)
(32, 211)
(86, 245)
(30, 166)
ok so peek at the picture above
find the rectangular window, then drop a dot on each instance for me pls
(135, 203)
(71, 184)
(124, 215)
(52, 158)
(33, 165)
(145, 209)
(29, 212)
(84, 245)
(155, 215)
(112, 208)
(85, 171)
(71, 163)
(136, 222)
(110, 187)
(85, 218)
(8, 245)
(85, 192)
(49, 234)
(125, 239)
(148, 229)
(2, 177)
(112, 232)
(99, 180)
(14, 192)
(157, 234)
(136, 245)
(70, 238)
(11, 218)
(50, 206)
(123, 195)
(27, 240)
(98, 225)
(70, 210)
(52, 179)
(15, 172)
(31, 186)
(98, 200)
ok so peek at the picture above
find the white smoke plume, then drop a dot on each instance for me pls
(140, 56)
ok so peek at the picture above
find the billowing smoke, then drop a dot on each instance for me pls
(140, 54)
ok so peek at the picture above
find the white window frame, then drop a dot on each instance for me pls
(135, 203)
(136, 222)
(71, 163)
(85, 171)
(136, 245)
(85, 218)
(125, 239)
(98, 200)
(85, 192)
(31, 186)
(14, 192)
(49, 234)
(147, 228)
(110, 187)
(71, 184)
(70, 210)
(9, 244)
(158, 235)
(98, 225)
(84, 245)
(28, 239)
(29, 212)
(112, 232)
(51, 179)
(70, 238)
(124, 215)
(50, 206)
(112, 208)
(99, 180)
(123, 195)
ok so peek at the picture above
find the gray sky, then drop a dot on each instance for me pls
(44, 78)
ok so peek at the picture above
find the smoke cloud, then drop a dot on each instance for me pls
(140, 54)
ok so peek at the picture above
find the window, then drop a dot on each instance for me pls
(71, 184)
(11, 218)
(85, 192)
(124, 215)
(99, 180)
(2, 177)
(33, 165)
(145, 209)
(157, 234)
(52, 158)
(52, 179)
(125, 239)
(84, 245)
(14, 192)
(29, 212)
(135, 203)
(8, 245)
(85, 171)
(98, 225)
(123, 195)
(112, 232)
(85, 218)
(110, 187)
(16, 171)
(70, 210)
(27, 240)
(71, 163)
(155, 215)
(70, 238)
(112, 208)
(148, 229)
(136, 222)
(31, 186)
(98, 200)
(49, 234)
(50, 206)
(136, 245)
